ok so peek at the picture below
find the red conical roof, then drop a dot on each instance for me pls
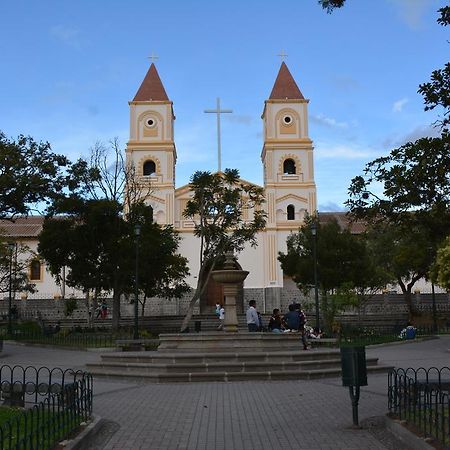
(285, 86)
(151, 88)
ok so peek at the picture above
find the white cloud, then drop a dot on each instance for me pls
(340, 151)
(331, 206)
(328, 121)
(399, 104)
(67, 35)
(421, 131)
(411, 11)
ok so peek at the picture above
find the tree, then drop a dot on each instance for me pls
(19, 264)
(330, 5)
(408, 191)
(30, 175)
(105, 179)
(442, 268)
(217, 207)
(346, 265)
(97, 246)
(405, 254)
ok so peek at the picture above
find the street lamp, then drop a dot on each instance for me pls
(137, 233)
(316, 287)
(11, 247)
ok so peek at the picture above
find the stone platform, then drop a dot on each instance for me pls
(224, 357)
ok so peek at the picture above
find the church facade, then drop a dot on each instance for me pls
(286, 161)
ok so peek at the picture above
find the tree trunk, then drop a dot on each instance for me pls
(90, 311)
(116, 310)
(201, 285)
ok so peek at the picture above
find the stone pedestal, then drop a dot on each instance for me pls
(231, 280)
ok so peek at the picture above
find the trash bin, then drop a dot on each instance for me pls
(353, 363)
(198, 326)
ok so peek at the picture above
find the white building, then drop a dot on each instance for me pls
(287, 162)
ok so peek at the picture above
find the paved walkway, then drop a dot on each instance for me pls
(243, 415)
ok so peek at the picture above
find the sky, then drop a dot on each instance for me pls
(69, 68)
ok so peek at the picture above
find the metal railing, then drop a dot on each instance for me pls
(61, 402)
(421, 397)
(37, 383)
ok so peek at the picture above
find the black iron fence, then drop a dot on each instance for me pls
(56, 402)
(421, 397)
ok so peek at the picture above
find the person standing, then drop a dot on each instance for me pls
(221, 317)
(301, 324)
(252, 316)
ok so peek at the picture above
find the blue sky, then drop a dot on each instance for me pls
(69, 68)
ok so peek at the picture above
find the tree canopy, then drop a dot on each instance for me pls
(347, 265)
(31, 175)
(227, 214)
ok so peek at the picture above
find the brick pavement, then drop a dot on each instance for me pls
(242, 415)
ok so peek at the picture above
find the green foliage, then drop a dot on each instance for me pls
(333, 304)
(70, 305)
(227, 214)
(405, 196)
(97, 245)
(343, 259)
(217, 208)
(330, 5)
(443, 264)
(30, 174)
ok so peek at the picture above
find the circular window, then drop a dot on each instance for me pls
(150, 122)
(287, 120)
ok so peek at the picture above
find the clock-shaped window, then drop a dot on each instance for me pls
(287, 119)
(150, 122)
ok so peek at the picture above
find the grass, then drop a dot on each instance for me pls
(8, 413)
(28, 430)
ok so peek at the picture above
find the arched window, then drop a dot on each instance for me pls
(289, 166)
(149, 168)
(35, 270)
(290, 212)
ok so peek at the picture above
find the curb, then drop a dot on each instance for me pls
(404, 342)
(412, 441)
(89, 433)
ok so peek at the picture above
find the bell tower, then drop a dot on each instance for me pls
(287, 157)
(151, 148)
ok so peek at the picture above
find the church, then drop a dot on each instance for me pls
(286, 161)
(287, 164)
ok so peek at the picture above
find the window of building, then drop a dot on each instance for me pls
(289, 166)
(35, 270)
(149, 168)
(290, 212)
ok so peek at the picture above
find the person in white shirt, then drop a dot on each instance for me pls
(252, 317)
(221, 317)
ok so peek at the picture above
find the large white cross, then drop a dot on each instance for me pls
(218, 111)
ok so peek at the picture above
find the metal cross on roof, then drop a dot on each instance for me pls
(153, 57)
(218, 111)
(282, 55)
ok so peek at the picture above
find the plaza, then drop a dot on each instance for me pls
(240, 415)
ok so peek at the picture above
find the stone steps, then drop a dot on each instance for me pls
(224, 366)
(221, 356)
(226, 376)
(205, 358)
